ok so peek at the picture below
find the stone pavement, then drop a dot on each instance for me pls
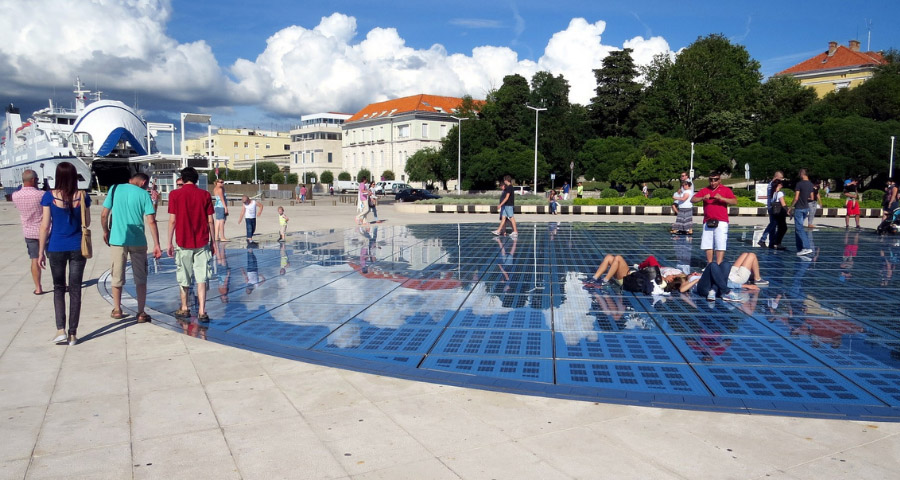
(140, 401)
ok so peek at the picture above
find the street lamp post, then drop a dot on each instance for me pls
(536, 112)
(255, 161)
(459, 121)
(891, 167)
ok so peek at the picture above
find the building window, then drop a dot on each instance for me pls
(312, 157)
(246, 144)
(246, 156)
(443, 131)
(235, 144)
(237, 156)
(268, 146)
(424, 130)
(403, 131)
(329, 157)
(287, 147)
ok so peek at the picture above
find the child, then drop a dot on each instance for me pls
(252, 209)
(282, 221)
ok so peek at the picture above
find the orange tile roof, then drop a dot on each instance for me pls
(415, 103)
(843, 57)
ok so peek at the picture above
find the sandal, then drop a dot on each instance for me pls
(117, 314)
(143, 318)
(203, 318)
(182, 312)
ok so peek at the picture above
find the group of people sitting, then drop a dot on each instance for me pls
(714, 281)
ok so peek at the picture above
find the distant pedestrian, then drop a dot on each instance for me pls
(331, 190)
(716, 198)
(579, 191)
(303, 192)
(220, 206)
(890, 201)
(251, 211)
(507, 208)
(282, 225)
(125, 211)
(565, 190)
(773, 222)
(362, 202)
(851, 191)
(553, 201)
(644, 190)
(28, 201)
(191, 227)
(813, 205)
(297, 192)
(154, 196)
(373, 201)
(684, 223)
(802, 196)
(60, 241)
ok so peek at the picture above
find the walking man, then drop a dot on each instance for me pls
(770, 228)
(125, 211)
(191, 225)
(716, 198)
(565, 190)
(507, 208)
(28, 201)
(802, 195)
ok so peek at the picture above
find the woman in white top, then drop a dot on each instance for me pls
(684, 223)
(252, 209)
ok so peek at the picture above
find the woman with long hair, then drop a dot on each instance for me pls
(780, 218)
(61, 240)
(221, 209)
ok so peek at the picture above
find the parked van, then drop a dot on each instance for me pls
(390, 186)
(344, 186)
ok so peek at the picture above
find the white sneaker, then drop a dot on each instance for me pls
(711, 296)
(805, 251)
(734, 297)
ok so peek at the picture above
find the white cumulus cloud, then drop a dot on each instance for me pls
(122, 45)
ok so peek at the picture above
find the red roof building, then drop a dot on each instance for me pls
(837, 68)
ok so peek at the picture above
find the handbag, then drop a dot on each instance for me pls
(777, 208)
(712, 223)
(87, 248)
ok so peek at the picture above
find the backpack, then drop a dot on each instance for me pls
(641, 281)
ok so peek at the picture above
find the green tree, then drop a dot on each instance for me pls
(327, 177)
(783, 97)
(278, 178)
(363, 173)
(601, 156)
(617, 94)
(509, 158)
(429, 165)
(711, 75)
(563, 127)
(505, 109)
(292, 179)
(388, 175)
(344, 176)
(265, 170)
(662, 160)
(764, 161)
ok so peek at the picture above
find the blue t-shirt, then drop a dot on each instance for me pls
(65, 226)
(128, 204)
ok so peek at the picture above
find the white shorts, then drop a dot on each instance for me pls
(738, 275)
(714, 238)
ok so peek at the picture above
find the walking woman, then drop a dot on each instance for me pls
(684, 223)
(220, 206)
(61, 240)
(779, 215)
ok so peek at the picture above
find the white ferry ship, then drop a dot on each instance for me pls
(98, 138)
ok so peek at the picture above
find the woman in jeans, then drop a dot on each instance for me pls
(779, 218)
(61, 240)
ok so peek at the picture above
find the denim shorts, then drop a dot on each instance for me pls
(220, 213)
(508, 211)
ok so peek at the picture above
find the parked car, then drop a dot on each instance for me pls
(390, 186)
(344, 186)
(523, 190)
(413, 194)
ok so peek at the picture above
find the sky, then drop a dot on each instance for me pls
(264, 64)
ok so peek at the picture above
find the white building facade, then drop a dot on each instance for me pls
(382, 136)
(316, 145)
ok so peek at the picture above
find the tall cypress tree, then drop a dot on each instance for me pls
(617, 94)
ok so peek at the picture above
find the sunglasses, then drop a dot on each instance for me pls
(713, 179)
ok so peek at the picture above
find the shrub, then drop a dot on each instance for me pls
(363, 173)
(344, 176)
(663, 193)
(609, 193)
(743, 192)
(873, 195)
(590, 186)
(292, 179)
(328, 177)
(633, 192)
(278, 178)
(388, 175)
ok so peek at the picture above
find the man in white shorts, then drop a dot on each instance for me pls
(716, 198)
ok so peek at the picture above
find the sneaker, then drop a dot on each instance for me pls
(761, 282)
(761, 243)
(733, 297)
(516, 235)
(496, 233)
(711, 296)
(805, 251)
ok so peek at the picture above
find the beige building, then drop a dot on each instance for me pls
(837, 68)
(241, 146)
(382, 136)
(316, 145)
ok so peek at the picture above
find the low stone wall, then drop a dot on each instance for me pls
(613, 210)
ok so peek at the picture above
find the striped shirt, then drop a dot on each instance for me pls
(28, 201)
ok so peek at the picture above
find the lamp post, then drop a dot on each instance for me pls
(536, 112)
(891, 167)
(692, 163)
(459, 121)
(255, 161)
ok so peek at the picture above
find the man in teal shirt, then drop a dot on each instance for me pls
(125, 211)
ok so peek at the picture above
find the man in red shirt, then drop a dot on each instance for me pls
(191, 223)
(716, 198)
(28, 200)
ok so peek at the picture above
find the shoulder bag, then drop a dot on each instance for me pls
(87, 248)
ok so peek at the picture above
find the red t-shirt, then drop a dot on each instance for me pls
(192, 208)
(715, 209)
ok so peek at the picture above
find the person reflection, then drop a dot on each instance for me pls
(193, 328)
(284, 260)
(709, 345)
(889, 259)
(682, 244)
(252, 277)
(505, 262)
(223, 272)
(851, 249)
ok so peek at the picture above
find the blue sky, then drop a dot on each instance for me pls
(265, 63)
